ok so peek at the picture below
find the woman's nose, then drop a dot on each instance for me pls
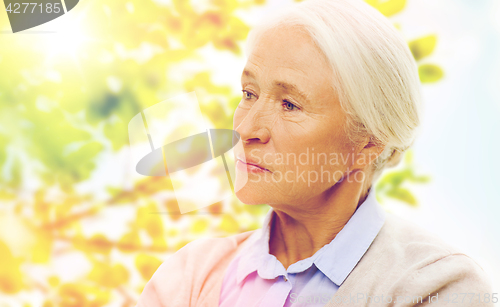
(255, 125)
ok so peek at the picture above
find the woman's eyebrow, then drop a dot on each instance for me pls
(248, 73)
(291, 88)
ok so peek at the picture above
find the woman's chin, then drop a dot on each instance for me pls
(250, 196)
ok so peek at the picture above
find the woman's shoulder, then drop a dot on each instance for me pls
(405, 234)
(203, 247)
(407, 260)
(204, 253)
(410, 245)
(193, 268)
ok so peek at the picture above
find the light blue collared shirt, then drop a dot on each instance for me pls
(256, 278)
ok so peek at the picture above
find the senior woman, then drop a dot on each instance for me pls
(330, 97)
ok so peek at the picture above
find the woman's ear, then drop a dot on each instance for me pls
(394, 159)
(370, 151)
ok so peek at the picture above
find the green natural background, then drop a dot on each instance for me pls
(64, 115)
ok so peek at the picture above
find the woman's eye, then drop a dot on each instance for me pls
(247, 95)
(288, 106)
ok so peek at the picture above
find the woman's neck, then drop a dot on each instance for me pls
(298, 233)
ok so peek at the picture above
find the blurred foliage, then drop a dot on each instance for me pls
(61, 119)
(394, 183)
(388, 7)
(422, 48)
(430, 73)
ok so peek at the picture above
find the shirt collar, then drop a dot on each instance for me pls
(335, 260)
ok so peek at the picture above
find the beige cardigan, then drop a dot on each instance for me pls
(403, 261)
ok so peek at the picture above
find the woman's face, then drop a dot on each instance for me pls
(290, 122)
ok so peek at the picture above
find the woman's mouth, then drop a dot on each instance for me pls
(250, 168)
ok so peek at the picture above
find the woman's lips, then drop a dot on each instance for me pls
(251, 168)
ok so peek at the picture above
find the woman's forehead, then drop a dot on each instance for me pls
(288, 48)
(297, 70)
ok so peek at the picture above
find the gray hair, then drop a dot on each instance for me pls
(375, 74)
